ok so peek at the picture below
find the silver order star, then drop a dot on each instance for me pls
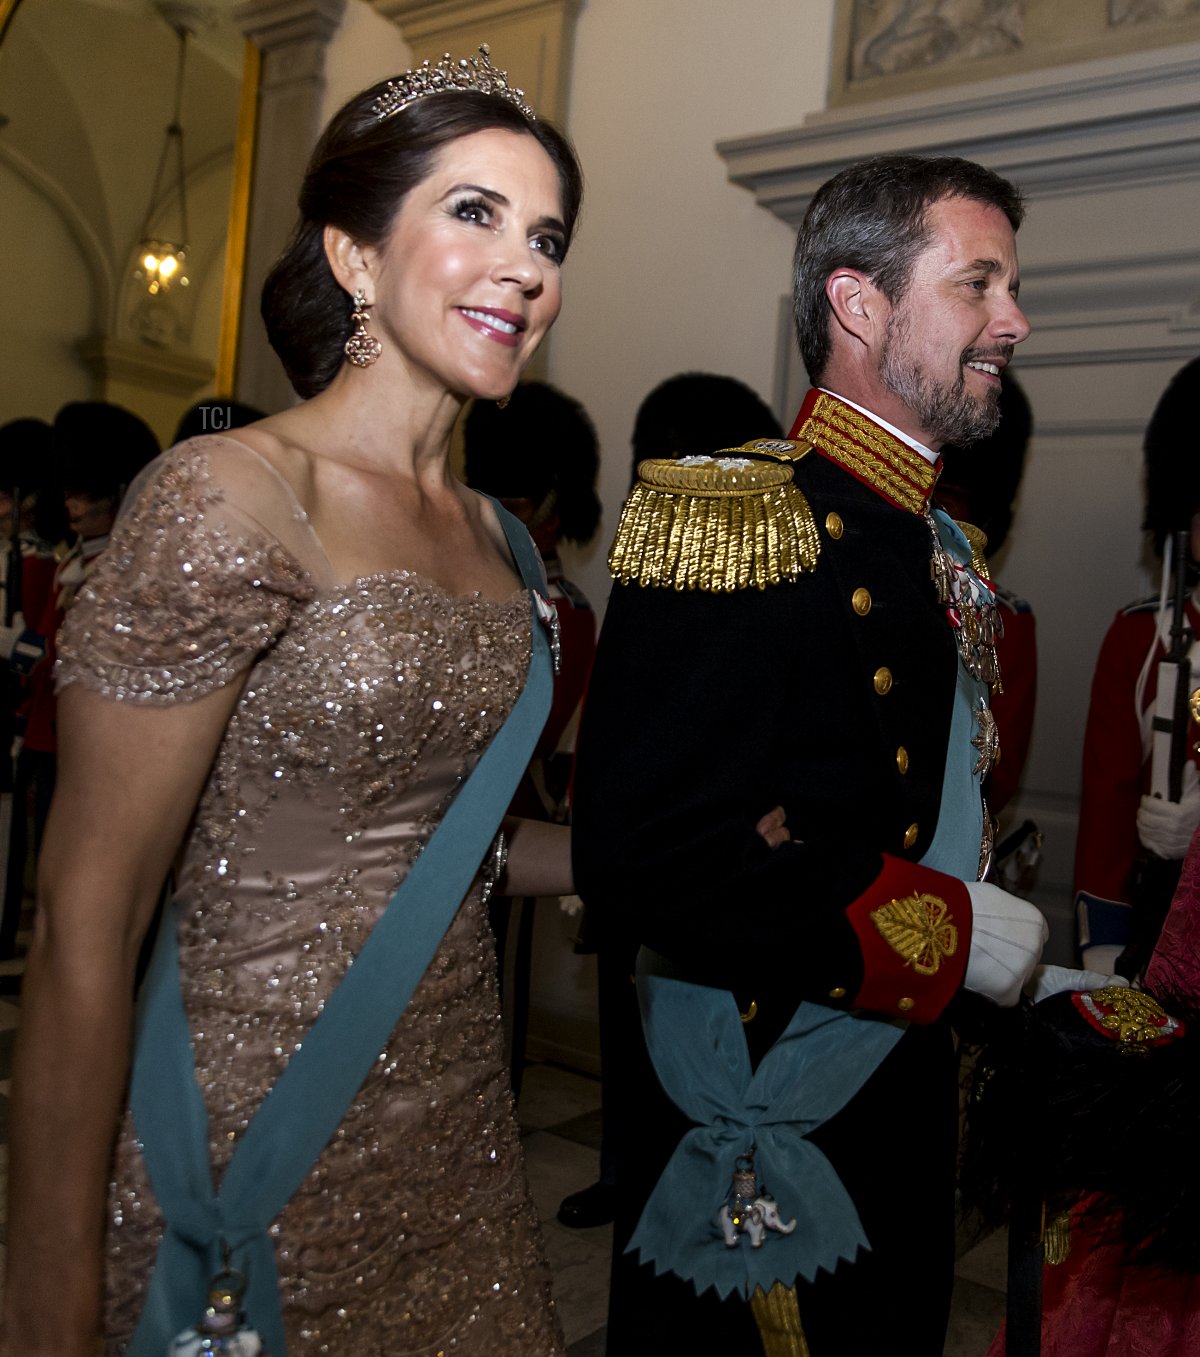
(987, 741)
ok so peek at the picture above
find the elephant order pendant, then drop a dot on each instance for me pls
(749, 1209)
(222, 1328)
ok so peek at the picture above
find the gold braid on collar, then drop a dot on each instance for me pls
(717, 523)
(887, 464)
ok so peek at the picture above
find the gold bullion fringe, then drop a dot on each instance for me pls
(715, 540)
(978, 541)
(777, 1314)
(1056, 1238)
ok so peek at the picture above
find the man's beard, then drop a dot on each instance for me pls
(945, 410)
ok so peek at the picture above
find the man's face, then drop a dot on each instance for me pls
(954, 329)
(90, 516)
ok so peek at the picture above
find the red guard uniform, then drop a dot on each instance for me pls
(1116, 764)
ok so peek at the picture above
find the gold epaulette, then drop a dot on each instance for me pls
(717, 523)
(978, 542)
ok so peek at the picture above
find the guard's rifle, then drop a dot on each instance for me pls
(1155, 878)
(1170, 750)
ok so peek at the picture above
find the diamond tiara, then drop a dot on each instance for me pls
(475, 74)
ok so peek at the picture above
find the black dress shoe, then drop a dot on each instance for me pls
(595, 1205)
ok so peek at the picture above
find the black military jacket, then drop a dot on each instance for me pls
(829, 693)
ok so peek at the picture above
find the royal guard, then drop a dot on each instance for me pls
(1134, 826)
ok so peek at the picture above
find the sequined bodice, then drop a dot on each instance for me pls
(351, 736)
(363, 708)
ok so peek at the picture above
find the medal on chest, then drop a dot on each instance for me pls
(970, 605)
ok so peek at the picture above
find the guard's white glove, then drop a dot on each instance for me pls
(1048, 980)
(1166, 827)
(1007, 938)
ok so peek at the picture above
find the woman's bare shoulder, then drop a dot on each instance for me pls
(272, 442)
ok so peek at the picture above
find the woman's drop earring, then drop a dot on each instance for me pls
(362, 349)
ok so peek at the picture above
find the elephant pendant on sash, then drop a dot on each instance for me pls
(222, 1328)
(749, 1208)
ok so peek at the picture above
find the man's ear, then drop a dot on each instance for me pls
(858, 306)
(349, 261)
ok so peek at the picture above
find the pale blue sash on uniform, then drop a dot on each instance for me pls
(305, 1105)
(955, 846)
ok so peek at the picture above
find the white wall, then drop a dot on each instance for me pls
(674, 268)
(366, 48)
(48, 304)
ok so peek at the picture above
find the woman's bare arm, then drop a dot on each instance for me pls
(129, 779)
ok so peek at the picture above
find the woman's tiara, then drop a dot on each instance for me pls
(474, 74)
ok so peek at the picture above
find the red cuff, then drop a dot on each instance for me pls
(914, 930)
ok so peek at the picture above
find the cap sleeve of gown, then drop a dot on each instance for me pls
(211, 553)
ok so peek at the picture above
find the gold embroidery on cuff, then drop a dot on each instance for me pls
(1129, 1016)
(918, 928)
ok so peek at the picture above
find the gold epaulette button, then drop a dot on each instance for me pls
(883, 680)
(905, 1004)
(860, 601)
(833, 525)
(902, 760)
(910, 835)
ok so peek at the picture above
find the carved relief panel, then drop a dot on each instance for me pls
(887, 47)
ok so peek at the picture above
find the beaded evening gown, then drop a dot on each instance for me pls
(364, 707)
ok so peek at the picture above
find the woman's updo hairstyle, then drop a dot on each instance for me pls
(360, 172)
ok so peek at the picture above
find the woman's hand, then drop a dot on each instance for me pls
(773, 827)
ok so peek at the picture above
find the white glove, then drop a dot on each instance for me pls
(1007, 938)
(1166, 827)
(1048, 980)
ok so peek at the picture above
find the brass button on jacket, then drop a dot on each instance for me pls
(883, 680)
(910, 835)
(838, 992)
(902, 760)
(860, 601)
(833, 525)
(905, 1004)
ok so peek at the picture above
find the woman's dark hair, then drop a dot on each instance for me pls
(873, 216)
(541, 447)
(1172, 467)
(358, 177)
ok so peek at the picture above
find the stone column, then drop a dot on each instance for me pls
(293, 36)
